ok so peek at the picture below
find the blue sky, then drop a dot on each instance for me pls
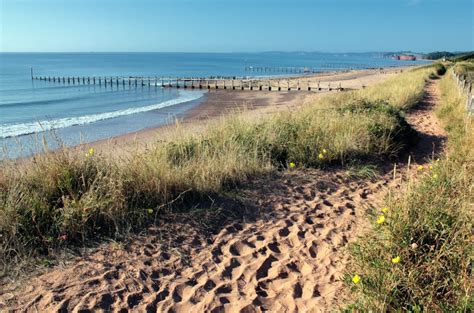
(236, 26)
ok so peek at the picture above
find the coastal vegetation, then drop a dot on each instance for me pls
(69, 197)
(457, 56)
(419, 256)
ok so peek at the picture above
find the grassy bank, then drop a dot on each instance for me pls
(69, 197)
(420, 257)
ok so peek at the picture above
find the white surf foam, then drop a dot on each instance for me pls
(40, 126)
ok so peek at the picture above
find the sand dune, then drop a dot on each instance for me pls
(288, 258)
(281, 250)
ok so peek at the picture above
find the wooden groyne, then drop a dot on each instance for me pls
(289, 70)
(229, 83)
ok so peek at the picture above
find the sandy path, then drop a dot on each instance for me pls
(280, 250)
(286, 258)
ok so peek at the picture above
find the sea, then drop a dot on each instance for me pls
(33, 112)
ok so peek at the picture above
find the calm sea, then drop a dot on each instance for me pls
(80, 113)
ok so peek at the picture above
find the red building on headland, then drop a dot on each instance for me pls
(404, 57)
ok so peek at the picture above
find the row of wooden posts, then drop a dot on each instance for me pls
(464, 83)
(196, 83)
(280, 69)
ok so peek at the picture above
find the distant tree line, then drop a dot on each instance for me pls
(445, 54)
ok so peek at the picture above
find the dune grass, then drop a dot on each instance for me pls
(71, 196)
(420, 257)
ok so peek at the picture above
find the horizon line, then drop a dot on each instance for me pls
(229, 52)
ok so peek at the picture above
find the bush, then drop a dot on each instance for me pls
(440, 69)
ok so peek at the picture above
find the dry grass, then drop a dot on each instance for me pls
(430, 228)
(65, 198)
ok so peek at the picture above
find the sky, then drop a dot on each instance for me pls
(235, 26)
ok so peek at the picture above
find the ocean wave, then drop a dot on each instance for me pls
(20, 129)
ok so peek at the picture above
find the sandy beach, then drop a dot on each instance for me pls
(284, 250)
(236, 156)
(217, 103)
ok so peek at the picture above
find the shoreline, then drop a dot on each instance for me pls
(217, 103)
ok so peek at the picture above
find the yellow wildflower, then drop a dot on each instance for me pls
(435, 176)
(396, 259)
(150, 211)
(321, 156)
(430, 167)
(356, 279)
(381, 219)
(325, 151)
(385, 210)
(90, 152)
(421, 167)
(292, 164)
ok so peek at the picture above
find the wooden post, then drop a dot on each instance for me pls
(288, 84)
(31, 72)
